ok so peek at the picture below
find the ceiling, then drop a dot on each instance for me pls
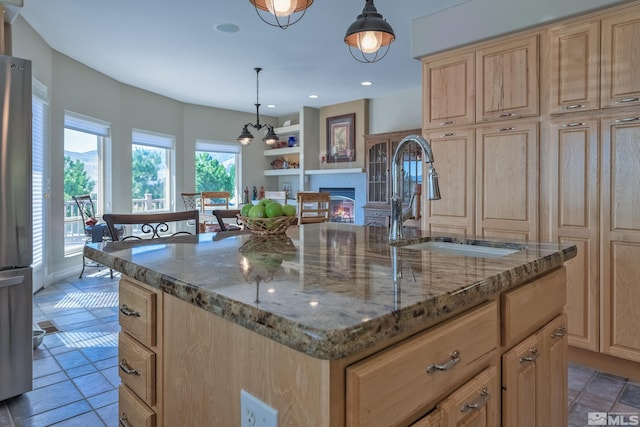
(173, 49)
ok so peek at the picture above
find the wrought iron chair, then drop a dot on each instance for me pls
(94, 231)
(313, 207)
(190, 201)
(155, 225)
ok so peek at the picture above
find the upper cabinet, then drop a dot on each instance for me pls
(449, 91)
(507, 79)
(621, 59)
(574, 67)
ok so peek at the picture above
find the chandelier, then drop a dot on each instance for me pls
(370, 34)
(284, 13)
(246, 137)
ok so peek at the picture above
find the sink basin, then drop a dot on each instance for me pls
(462, 249)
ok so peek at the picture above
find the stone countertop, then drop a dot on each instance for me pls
(328, 290)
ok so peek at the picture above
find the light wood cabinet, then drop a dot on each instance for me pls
(474, 404)
(507, 181)
(379, 150)
(620, 210)
(620, 61)
(574, 151)
(507, 79)
(574, 67)
(449, 91)
(140, 354)
(454, 154)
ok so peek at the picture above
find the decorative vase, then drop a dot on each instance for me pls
(292, 141)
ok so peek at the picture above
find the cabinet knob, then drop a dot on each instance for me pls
(124, 420)
(131, 313)
(484, 398)
(454, 360)
(573, 106)
(506, 115)
(559, 332)
(625, 100)
(124, 367)
(448, 122)
(533, 355)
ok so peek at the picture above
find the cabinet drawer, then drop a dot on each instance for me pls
(475, 403)
(138, 308)
(398, 383)
(527, 308)
(132, 411)
(137, 368)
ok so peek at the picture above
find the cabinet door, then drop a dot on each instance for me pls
(552, 382)
(573, 150)
(507, 181)
(620, 60)
(475, 403)
(520, 384)
(507, 80)
(454, 154)
(574, 67)
(621, 236)
(449, 91)
(377, 172)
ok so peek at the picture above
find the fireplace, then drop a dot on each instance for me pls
(342, 206)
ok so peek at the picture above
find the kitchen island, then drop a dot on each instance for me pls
(332, 326)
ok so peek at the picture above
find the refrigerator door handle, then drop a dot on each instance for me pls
(11, 281)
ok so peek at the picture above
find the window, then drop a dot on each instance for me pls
(39, 127)
(217, 168)
(152, 171)
(85, 139)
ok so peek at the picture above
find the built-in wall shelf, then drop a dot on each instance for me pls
(281, 151)
(278, 172)
(333, 171)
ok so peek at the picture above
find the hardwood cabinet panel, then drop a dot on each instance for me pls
(454, 153)
(132, 411)
(475, 403)
(554, 373)
(520, 384)
(573, 149)
(507, 181)
(137, 368)
(620, 60)
(449, 91)
(621, 236)
(574, 70)
(138, 312)
(507, 80)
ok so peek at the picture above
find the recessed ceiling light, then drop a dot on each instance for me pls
(227, 28)
(366, 83)
(271, 106)
(313, 96)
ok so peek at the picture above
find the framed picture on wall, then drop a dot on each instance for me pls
(341, 138)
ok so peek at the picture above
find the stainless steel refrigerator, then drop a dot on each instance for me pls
(16, 230)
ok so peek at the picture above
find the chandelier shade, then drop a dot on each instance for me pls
(246, 137)
(369, 36)
(281, 13)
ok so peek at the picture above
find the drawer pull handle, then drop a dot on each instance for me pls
(455, 359)
(506, 115)
(484, 398)
(124, 367)
(533, 355)
(125, 310)
(448, 122)
(628, 119)
(573, 106)
(560, 332)
(573, 125)
(505, 129)
(624, 100)
(124, 420)
(444, 135)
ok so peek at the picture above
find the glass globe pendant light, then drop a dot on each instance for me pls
(370, 34)
(281, 13)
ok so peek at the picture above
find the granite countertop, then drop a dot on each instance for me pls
(328, 290)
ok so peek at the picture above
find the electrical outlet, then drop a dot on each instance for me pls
(255, 413)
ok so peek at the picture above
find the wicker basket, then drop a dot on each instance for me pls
(266, 226)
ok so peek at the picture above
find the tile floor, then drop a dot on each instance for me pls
(75, 373)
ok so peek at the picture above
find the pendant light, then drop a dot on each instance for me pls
(370, 34)
(246, 137)
(281, 13)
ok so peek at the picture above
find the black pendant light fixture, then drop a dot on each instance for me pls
(281, 13)
(246, 137)
(370, 34)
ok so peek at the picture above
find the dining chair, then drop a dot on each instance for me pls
(313, 207)
(277, 196)
(215, 201)
(94, 231)
(190, 201)
(154, 225)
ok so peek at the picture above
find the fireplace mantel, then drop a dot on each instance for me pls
(333, 171)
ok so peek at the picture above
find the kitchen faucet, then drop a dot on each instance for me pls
(433, 189)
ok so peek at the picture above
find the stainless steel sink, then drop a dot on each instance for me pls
(462, 249)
